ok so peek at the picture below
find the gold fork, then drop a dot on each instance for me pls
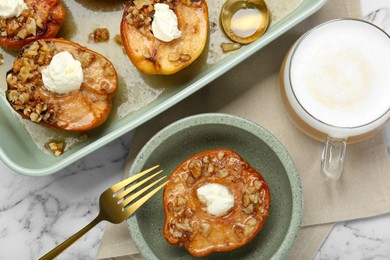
(114, 207)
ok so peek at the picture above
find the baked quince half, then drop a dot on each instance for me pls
(152, 55)
(213, 202)
(39, 19)
(60, 84)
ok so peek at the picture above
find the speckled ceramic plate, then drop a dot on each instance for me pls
(262, 150)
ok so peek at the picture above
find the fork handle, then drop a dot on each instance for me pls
(64, 245)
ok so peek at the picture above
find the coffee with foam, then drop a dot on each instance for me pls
(335, 85)
(339, 77)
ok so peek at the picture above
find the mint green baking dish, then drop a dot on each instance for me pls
(21, 154)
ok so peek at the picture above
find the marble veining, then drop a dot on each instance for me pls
(38, 213)
(360, 239)
(380, 17)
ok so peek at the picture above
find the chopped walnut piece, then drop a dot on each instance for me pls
(222, 173)
(141, 3)
(173, 56)
(238, 231)
(118, 39)
(1, 59)
(210, 168)
(56, 147)
(99, 35)
(185, 57)
(204, 229)
(220, 155)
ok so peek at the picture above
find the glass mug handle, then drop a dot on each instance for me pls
(333, 155)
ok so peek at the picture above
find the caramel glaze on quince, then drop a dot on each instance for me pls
(187, 222)
(77, 110)
(152, 56)
(42, 19)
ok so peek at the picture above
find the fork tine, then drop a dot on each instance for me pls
(120, 185)
(138, 193)
(133, 187)
(130, 210)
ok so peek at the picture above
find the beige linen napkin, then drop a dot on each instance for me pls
(250, 90)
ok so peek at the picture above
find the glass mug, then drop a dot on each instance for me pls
(335, 86)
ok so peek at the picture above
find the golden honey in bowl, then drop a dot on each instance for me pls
(244, 21)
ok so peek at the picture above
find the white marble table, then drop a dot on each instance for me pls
(36, 213)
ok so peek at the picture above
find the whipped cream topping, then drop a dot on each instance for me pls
(12, 8)
(216, 197)
(165, 23)
(64, 74)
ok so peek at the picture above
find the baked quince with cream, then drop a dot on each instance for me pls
(24, 21)
(213, 202)
(60, 84)
(164, 36)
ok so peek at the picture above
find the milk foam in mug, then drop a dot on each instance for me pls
(335, 85)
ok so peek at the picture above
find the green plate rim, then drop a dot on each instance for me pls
(255, 129)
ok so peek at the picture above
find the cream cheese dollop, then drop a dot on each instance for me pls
(64, 74)
(216, 197)
(12, 8)
(165, 23)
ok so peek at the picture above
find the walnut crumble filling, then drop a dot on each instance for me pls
(25, 77)
(181, 226)
(99, 35)
(25, 82)
(26, 24)
(188, 221)
(141, 12)
(75, 110)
